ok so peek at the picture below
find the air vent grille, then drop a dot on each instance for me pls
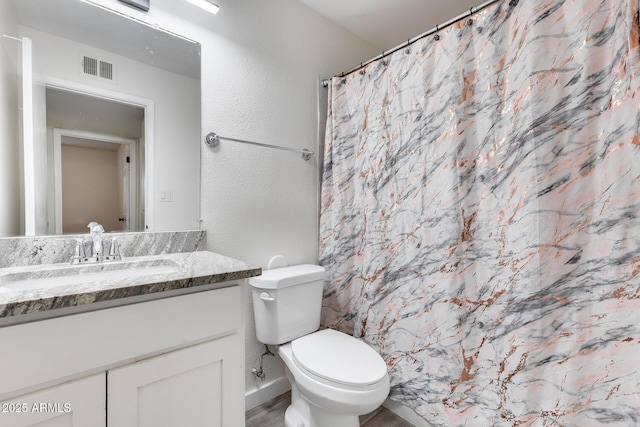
(106, 70)
(97, 68)
(90, 66)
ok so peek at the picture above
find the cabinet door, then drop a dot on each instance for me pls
(196, 386)
(78, 403)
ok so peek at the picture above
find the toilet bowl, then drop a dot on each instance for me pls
(334, 377)
(337, 376)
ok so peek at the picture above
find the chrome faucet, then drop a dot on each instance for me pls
(97, 247)
(96, 231)
(79, 255)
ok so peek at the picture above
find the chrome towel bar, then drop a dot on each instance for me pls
(213, 140)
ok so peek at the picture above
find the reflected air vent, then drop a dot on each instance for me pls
(90, 66)
(106, 70)
(97, 68)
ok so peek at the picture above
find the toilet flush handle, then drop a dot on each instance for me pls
(264, 296)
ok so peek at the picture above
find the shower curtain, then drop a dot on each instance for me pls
(480, 216)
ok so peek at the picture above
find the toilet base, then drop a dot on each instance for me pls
(318, 418)
(322, 418)
(293, 418)
(301, 413)
(297, 414)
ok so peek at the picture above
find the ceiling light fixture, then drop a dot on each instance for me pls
(206, 5)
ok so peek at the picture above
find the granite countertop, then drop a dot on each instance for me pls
(20, 294)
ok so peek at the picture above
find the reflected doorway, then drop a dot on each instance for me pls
(96, 182)
(96, 157)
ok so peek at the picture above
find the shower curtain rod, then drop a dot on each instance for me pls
(212, 140)
(409, 42)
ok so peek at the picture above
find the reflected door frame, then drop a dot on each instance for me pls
(147, 174)
(58, 135)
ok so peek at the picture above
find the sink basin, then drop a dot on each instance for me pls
(45, 276)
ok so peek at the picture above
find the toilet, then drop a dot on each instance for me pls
(334, 377)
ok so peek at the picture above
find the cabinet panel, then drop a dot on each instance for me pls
(75, 404)
(194, 386)
(116, 336)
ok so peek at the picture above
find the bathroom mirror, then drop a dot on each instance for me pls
(113, 96)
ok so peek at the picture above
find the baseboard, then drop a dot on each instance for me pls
(265, 393)
(406, 413)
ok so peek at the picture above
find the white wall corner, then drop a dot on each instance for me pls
(265, 393)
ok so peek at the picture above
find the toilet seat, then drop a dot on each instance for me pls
(338, 359)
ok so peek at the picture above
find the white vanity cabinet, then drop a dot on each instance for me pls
(166, 362)
(196, 386)
(74, 404)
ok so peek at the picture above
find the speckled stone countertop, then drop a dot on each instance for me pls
(20, 294)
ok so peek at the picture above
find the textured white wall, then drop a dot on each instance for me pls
(261, 73)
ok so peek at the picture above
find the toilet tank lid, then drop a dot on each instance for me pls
(278, 278)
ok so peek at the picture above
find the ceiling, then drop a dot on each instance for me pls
(70, 110)
(386, 24)
(93, 25)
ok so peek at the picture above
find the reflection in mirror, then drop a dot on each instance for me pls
(97, 165)
(141, 102)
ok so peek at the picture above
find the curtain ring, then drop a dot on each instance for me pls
(437, 36)
(408, 49)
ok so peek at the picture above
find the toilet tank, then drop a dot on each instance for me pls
(287, 302)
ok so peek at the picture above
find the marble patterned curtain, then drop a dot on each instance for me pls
(480, 216)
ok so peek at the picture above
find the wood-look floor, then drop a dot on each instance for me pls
(271, 414)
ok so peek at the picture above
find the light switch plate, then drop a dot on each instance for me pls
(166, 196)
